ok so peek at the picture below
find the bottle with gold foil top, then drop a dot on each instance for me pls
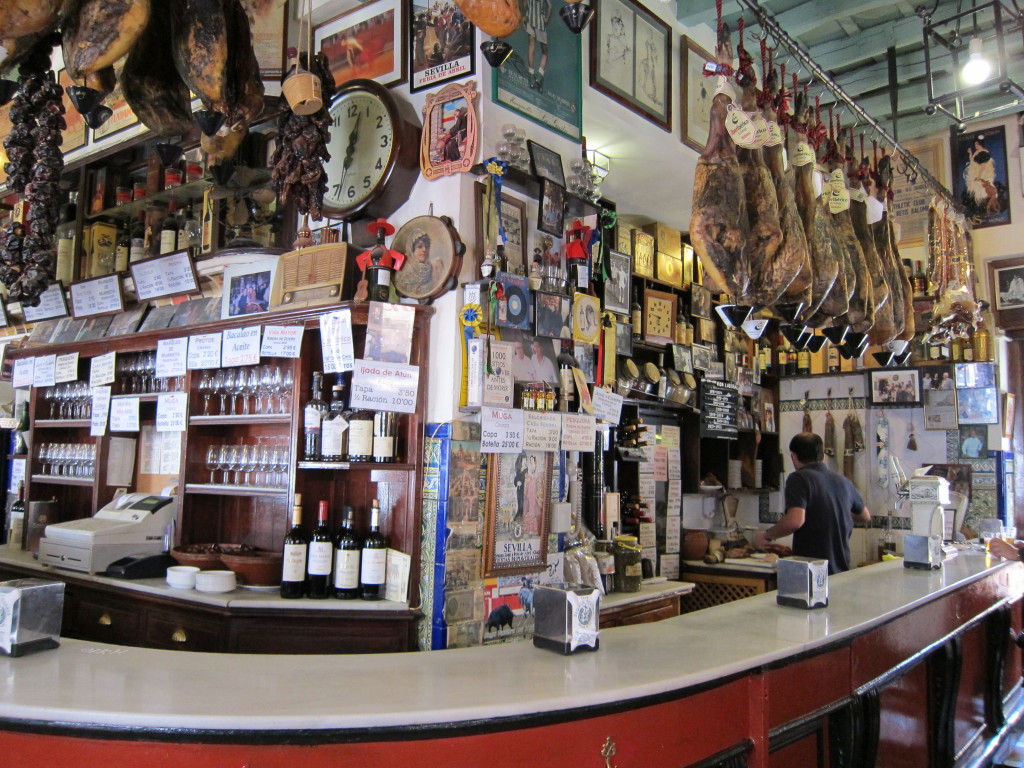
(982, 343)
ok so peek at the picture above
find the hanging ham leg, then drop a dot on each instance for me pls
(719, 225)
(895, 275)
(861, 314)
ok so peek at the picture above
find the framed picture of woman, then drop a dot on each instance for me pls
(518, 497)
(980, 178)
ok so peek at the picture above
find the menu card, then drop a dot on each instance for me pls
(168, 275)
(99, 296)
(719, 402)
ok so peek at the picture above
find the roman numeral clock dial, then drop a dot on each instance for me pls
(374, 152)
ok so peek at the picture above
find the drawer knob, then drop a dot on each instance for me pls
(608, 752)
(179, 636)
(104, 620)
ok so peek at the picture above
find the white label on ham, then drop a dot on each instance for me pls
(774, 134)
(859, 195)
(804, 154)
(724, 86)
(739, 126)
(761, 132)
(839, 201)
(837, 178)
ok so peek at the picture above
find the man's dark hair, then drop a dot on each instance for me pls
(808, 447)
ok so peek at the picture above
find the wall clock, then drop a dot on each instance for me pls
(374, 152)
(659, 316)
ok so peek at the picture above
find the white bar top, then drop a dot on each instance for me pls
(92, 684)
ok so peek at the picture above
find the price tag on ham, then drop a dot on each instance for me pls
(23, 372)
(66, 368)
(385, 386)
(858, 195)
(203, 351)
(578, 432)
(124, 414)
(44, 371)
(739, 127)
(100, 410)
(501, 430)
(774, 134)
(804, 155)
(761, 132)
(542, 431)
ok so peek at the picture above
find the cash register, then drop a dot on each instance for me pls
(132, 524)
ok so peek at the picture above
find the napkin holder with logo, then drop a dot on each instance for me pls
(30, 615)
(803, 582)
(566, 617)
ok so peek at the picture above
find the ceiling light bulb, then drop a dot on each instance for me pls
(977, 69)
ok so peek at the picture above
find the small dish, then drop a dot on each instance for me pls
(215, 581)
(182, 576)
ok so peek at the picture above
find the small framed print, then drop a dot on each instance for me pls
(696, 93)
(624, 238)
(513, 219)
(554, 312)
(643, 253)
(545, 163)
(978, 406)
(969, 375)
(701, 357)
(940, 409)
(973, 442)
(896, 387)
(617, 286)
(515, 303)
(659, 316)
(442, 43)
(450, 131)
(700, 302)
(682, 358)
(247, 288)
(365, 42)
(516, 524)
(586, 323)
(623, 339)
(268, 22)
(551, 211)
(1009, 413)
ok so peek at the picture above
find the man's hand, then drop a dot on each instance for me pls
(1004, 549)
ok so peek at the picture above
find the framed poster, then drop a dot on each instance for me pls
(912, 199)
(978, 406)
(517, 518)
(631, 59)
(548, 93)
(515, 302)
(940, 409)
(366, 42)
(122, 116)
(895, 387)
(441, 43)
(696, 93)
(450, 131)
(1006, 287)
(268, 22)
(513, 219)
(247, 288)
(617, 286)
(73, 136)
(980, 181)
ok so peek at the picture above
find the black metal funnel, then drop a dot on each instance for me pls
(169, 154)
(835, 333)
(733, 315)
(97, 116)
(209, 120)
(7, 90)
(815, 343)
(788, 313)
(576, 16)
(84, 98)
(495, 51)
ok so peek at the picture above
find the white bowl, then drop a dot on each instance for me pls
(182, 576)
(215, 581)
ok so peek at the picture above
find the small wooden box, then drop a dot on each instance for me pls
(643, 254)
(310, 277)
(666, 239)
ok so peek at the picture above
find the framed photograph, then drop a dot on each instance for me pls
(894, 387)
(451, 131)
(940, 409)
(696, 93)
(623, 338)
(617, 286)
(551, 211)
(554, 313)
(937, 377)
(442, 43)
(268, 21)
(701, 357)
(980, 180)
(682, 358)
(543, 79)
(515, 303)
(659, 316)
(1009, 413)
(969, 375)
(517, 518)
(366, 42)
(586, 318)
(978, 406)
(513, 219)
(631, 59)
(545, 163)
(700, 302)
(73, 136)
(973, 442)
(247, 288)
(534, 358)
(1007, 284)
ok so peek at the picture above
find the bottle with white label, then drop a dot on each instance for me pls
(312, 418)
(137, 249)
(385, 428)
(334, 428)
(321, 556)
(346, 558)
(66, 241)
(169, 231)
(296, 547)
(360, 435)
(373, 564)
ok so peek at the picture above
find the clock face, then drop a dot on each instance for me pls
(659, 317)
(362, 151)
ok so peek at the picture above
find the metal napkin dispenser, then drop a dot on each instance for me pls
(803, 582)
(922, 552)
(30, 615)
(566, 617)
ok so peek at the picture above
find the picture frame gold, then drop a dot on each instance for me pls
(451, 132)
(669, 269)
(643, 253)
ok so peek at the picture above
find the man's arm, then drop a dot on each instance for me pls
(864, 516)
(789, 523)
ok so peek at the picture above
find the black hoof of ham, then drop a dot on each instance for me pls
(495, 51)
(883, 358)
(576, 16)
(84, 98)
(97, 116)
(795, 334)
(7, 90)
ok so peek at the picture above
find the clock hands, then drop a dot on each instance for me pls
(350, 152)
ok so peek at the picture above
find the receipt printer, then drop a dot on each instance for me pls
(803, 582)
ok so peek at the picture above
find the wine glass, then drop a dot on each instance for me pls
(264, 461)
(244, 464)
(230, 387)
(250, 384)
(213, 460)
(44, 458)
(218, 388)
(225, 461)
(206, 390)
(285, 392)
(270, 382)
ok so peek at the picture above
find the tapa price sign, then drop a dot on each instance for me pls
(385, 386)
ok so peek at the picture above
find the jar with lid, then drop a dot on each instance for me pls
(628, 568)
(650, 380)
(626, 377)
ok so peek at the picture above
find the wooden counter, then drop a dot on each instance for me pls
(902, 668)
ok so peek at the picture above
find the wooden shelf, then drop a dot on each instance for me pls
(61, 480)
(148, 397)
(218, 489)
(354, 465)
(61, 423)
(242, 419)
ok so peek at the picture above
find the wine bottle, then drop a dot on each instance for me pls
(16, 519)
(312, 417)
(190, 234)
(385, 424)
(920, 280)
(169, 230)
(346, 558)
(636, 314)
(680, 329)
(334, 428)
(66, 241)
(122, 250)
(321, 556)
(296, 547)
(137, 249)
(207, 243)
(833, 358)
(360, 436)
(373, 559)
(803, 362)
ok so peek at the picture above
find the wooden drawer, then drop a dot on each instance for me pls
(177, 630)
(95, 617)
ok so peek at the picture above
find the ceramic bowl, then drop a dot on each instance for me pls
(215, 581)
(182, 576)
(255, 568)
(203, 556)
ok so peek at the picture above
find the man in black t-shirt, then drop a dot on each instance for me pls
(821, 507)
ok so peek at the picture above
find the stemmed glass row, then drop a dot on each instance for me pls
(138, 375)
(259, 385)
(69, 400)
(68, 459)
(263, 464)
